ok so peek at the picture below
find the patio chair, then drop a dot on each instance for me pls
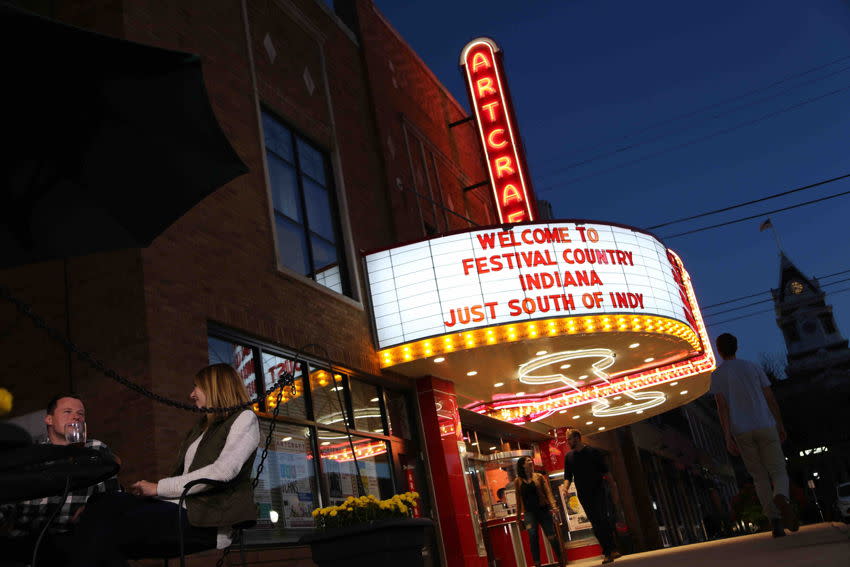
(168, 553)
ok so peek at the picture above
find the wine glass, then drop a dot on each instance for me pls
(75, 433)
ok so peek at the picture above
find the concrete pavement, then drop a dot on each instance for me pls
(818, 545)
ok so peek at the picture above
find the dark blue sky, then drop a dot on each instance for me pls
(646, 112)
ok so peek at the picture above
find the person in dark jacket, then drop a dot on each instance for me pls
(535, 505)
(219, 447)
(585, 465)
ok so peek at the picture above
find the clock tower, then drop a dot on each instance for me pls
(811, 336)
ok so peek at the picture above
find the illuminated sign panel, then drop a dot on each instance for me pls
(491, 277)
(485, 80)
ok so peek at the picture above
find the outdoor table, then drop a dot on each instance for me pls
(38, 471)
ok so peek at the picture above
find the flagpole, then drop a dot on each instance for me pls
(776, 236)
(769, 224)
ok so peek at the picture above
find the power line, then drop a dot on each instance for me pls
(836, 292)
(747, 203)
(765, 300)
(708, 107)
(637, 144)
(727, 223)
(701, 139)
(704, 307)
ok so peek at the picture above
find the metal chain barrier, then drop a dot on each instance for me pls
(286, 379)
(260, 466)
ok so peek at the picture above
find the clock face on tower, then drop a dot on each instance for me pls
(795, 287)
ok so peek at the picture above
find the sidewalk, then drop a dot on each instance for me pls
(818, 545)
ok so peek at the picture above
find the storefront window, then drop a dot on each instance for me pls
(328, 391)
(366, 402)
(239, 356)
(313, 416)
(340, 468)
(286, 493)
(292, 402)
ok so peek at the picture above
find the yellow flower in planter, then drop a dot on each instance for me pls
(5, 401)
(364, 509)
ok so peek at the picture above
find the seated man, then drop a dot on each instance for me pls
(21, 523)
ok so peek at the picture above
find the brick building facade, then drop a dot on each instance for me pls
(344, 84)
(324, 105)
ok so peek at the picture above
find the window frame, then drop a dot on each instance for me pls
(347, 289)
(308, 365)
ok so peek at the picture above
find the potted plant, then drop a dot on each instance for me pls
(370, 532)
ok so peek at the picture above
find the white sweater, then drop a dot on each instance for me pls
(242, 440)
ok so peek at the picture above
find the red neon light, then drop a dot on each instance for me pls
(487, 88)
(544, 404)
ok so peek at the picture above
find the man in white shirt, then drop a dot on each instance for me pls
(753, 427)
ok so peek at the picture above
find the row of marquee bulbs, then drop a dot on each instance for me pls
(516, 332)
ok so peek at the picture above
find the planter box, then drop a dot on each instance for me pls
(407, 542)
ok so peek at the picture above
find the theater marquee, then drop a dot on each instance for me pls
(581, 323)
(533, 318)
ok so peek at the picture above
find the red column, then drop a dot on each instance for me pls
(441, 424)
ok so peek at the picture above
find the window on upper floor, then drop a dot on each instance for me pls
(305, 210)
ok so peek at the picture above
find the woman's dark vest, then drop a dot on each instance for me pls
(218, 507)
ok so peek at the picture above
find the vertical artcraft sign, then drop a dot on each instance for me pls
(481, 62)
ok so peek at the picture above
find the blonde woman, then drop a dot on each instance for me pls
(535, 503)
(219, 447)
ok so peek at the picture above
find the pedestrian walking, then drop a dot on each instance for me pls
(535, 506)
(752, 424)
(586, 466)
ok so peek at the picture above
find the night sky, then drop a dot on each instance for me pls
(646, 112)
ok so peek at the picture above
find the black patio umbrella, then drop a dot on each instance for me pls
(108, 142)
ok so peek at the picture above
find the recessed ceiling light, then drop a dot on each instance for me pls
(492, 449)
(683, 392)
(618, 397)
(285, 439)
(325, 443)
(540, 353)
(472, 373)
(440, 359)
(629, 403)
(499, 384)
(639, 411)
(374, 400)
(673, 384)
(589, 423)
(474, 444)
(634, 345)
(576, 416)
(602, 428)
(650, 359)
(582, 377)
(565, 366)
(563, 411)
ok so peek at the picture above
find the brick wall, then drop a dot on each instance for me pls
(145, 312)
